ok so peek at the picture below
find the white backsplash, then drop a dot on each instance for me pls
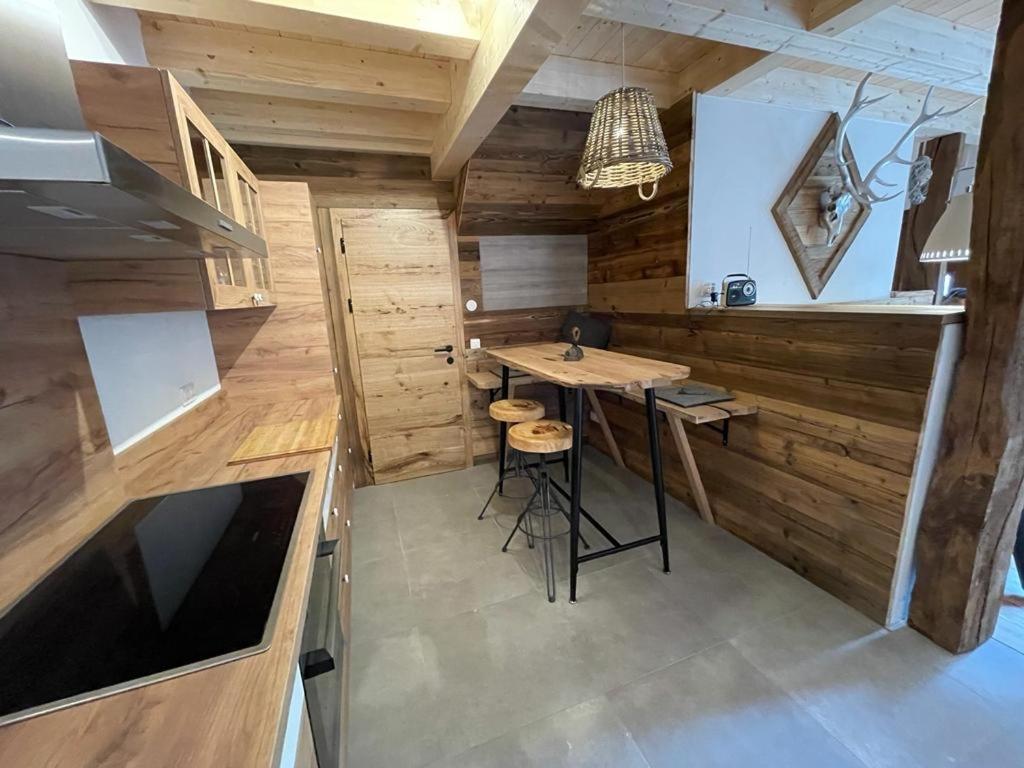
(149, 369)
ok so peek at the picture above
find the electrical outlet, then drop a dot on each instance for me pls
(188, 392)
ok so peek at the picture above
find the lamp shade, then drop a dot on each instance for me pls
(625, 145)
(950, 240)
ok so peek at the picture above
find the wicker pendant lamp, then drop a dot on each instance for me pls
(625, 144)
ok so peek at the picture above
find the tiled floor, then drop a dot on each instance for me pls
(1010, 629)
(731, 660)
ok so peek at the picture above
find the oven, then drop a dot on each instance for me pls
(322, 650)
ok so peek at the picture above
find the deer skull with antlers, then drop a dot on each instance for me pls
(862, 190)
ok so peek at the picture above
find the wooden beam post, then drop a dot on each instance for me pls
(974, 499)
(920, 220)
(516, 42)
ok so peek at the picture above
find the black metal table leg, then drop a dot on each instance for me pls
(502, 434)
(577, 490)
(659, 481)
(561, 417)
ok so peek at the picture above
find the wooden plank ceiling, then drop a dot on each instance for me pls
(433, 77)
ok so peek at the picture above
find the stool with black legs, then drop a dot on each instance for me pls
(542, 437)
(513, 411)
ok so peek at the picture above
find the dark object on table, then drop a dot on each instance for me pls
(574, 353)
(739, 290)
(692, 394)
(594, 332)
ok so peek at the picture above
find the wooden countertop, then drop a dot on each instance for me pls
(599, 368)
(228, 715)
(940, 314)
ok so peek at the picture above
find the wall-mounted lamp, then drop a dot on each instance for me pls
(950, 240)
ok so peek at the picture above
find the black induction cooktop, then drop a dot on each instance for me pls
(169, 585)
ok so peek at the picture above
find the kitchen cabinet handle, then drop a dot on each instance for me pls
(316, 662)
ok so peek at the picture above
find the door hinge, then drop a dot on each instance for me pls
(369, 457)
(350, 306)
(341, 242)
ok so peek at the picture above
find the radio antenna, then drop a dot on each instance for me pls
(750, 238)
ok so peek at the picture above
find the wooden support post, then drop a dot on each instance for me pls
(974, 500)
(919, 221)
(609, 438)
(690, 465)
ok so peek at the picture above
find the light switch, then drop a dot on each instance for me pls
(474, 343)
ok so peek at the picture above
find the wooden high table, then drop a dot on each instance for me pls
(599, 369)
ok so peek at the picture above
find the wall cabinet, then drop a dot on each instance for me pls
(147, 112)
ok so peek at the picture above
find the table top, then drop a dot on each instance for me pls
(599, 368)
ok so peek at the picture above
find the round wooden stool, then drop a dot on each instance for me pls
(542, 437)
(516, 411)
(512, 411)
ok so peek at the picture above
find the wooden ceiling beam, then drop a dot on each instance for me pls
(809, 90)
(831, 18)
(437, 27)
(899, 42)
(515, 43)
(270, 65)
(293, 122)
(575, 84)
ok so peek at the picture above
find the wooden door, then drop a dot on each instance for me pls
(411, 363)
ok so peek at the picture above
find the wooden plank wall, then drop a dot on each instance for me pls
(522, 178)
(280, 353)
(58, 475)
(521, 181)
(819, 478)
(638, 249)
(353, 179)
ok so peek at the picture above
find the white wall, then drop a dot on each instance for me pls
(744, 154)
(148, 369)
(101, 33)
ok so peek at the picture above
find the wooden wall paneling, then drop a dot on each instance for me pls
(919, 221)
(820, 477)
(524, 272)
(56, 468)
(522, 178)
(663, 295)
(137, 285)
(973, 506)
(344, 355)
(281, 353)
(353, 179)
(460, 338)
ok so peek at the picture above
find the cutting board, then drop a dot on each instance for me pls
(272, 441)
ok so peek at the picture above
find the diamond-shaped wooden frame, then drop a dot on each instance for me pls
(796, 211)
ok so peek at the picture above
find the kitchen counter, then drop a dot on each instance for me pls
(228, 715)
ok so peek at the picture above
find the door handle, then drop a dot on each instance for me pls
(447, 348)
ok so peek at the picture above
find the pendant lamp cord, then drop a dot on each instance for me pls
(622, 60)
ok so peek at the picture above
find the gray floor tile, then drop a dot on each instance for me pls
(715, 710)
(375, 535)
(392, 696)
(885, 695)
(588, 735)
(732, 659)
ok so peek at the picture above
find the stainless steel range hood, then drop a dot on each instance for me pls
(68, 193)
